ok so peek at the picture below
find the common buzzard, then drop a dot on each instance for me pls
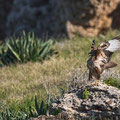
(100, 57)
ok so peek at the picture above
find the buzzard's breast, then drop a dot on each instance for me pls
(90, 63)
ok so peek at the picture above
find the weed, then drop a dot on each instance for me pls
(113, 82)
(86, 94)
(42, 109)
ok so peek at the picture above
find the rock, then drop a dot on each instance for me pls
(60, 116)
(5, 8)
(103, 101)
(58, 18)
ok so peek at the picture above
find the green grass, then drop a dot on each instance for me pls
(113, 82)
(21, 82)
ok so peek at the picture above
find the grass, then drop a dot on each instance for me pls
(21, 82)
(113, 82)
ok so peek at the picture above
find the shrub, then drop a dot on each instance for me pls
(42, 109)
(25, 48)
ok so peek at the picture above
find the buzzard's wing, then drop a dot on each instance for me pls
(114, 44)
(93, 52)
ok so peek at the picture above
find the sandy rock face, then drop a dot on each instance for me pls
(89, 18)
(103, 101)
(63, 17)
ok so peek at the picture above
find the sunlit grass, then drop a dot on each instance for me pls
(20, 83)
(113, 82)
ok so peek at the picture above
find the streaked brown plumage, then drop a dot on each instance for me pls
(100, 57)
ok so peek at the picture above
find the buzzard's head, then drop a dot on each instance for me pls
(103, 45)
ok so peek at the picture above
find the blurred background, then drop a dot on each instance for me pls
(33, 69)
(58, 18)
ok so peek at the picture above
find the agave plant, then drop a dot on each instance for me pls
(25, 48)
(8, 114)
(43, 108)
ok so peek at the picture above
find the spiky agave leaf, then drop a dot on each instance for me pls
(25, 48)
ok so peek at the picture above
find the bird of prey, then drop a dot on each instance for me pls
(100, 58)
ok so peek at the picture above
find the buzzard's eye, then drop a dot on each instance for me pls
(104, 45)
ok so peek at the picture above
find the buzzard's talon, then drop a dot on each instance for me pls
(96, 82)
(92, 83)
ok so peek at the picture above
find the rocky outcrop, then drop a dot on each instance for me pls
(60, 116)
(86, 102)
(89, 18)
(103, 102)
(5, 7)
(54, 18)
(59, 18)
(44, 17)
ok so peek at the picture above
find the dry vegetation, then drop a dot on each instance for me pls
(21, 82)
